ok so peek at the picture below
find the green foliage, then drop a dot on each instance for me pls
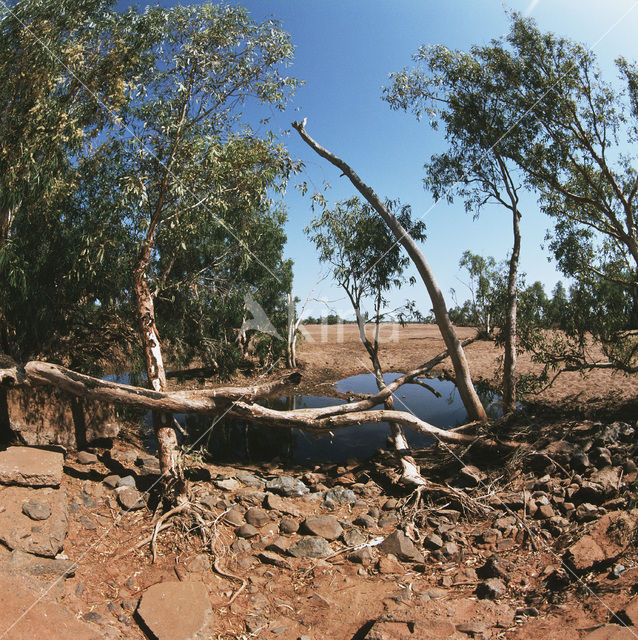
(365, 258)
(155, 151)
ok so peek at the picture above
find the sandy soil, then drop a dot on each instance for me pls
(331, 352)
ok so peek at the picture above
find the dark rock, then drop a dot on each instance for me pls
(491, 589)
(268, 557)
(388, 520)
(365, 521)
(250, 496)
(175, 610)
(311, 547)
(327, 527)
(130, 499)
(287, 486)
(43, 417)
(279, 545)
(287, 525)
(93, 616)
(493, 568)
(580, 461)
(390, 505)
(36, 510)
(31, 467)
(399, 545)
(585, 512)
(340, 495)
(246, 531)
(433, 542)
(240, 546)
(374, 513)
(451, 550)
(544, 512)
(257, 517)
(609, 479)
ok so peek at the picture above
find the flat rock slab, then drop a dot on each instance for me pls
(31, 467)
(20, 563)
(18, 531)
(175, 610)
(23, 616)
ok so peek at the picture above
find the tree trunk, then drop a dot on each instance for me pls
(399, 443)
(167, 446)
(509, 360)
(464, 384)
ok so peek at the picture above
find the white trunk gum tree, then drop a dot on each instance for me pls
(463, 379)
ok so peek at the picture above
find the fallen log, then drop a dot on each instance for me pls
(235, 401)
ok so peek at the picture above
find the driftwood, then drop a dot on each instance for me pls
(236, 401)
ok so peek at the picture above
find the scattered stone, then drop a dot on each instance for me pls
(585, 512)
(31, 467)
(246, 531)
(399, 545)
(340, 495)
(353, 538)
(175, 610)
(606, 540)
(493, 568)
(470, 476)
(388, 520)
(433, 541)
(126, 481)
(249, 479)
(234, 517)
(241, 546)
(93, 616)
(130, 499)
(111, 481)
(390, 505)
(36, 510)
(18, 531)
(283, 505)
(287, 525)
(88, 523)
(326, 527)
(472, 628)
(257, 517)
(491, 589)
(287, 486)
(364, 556)
(544, 512)
(268, 557)
(311, 547)
(279, 545)
(21, 563)
(84, 457)
(451, 550)
(365, 521)
(227, 484)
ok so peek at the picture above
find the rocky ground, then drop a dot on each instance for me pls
(532, 545)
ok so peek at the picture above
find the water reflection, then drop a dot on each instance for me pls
(231, 440)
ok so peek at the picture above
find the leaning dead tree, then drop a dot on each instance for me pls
(239, 402)
(463, 380)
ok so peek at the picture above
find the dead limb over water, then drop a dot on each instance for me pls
(237, 402)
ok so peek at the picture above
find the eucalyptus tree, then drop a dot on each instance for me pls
(367, 264)
(193, 178)
(461, 92)
(65, 66)
(467, 392)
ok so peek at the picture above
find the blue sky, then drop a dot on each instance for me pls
(345, 50)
